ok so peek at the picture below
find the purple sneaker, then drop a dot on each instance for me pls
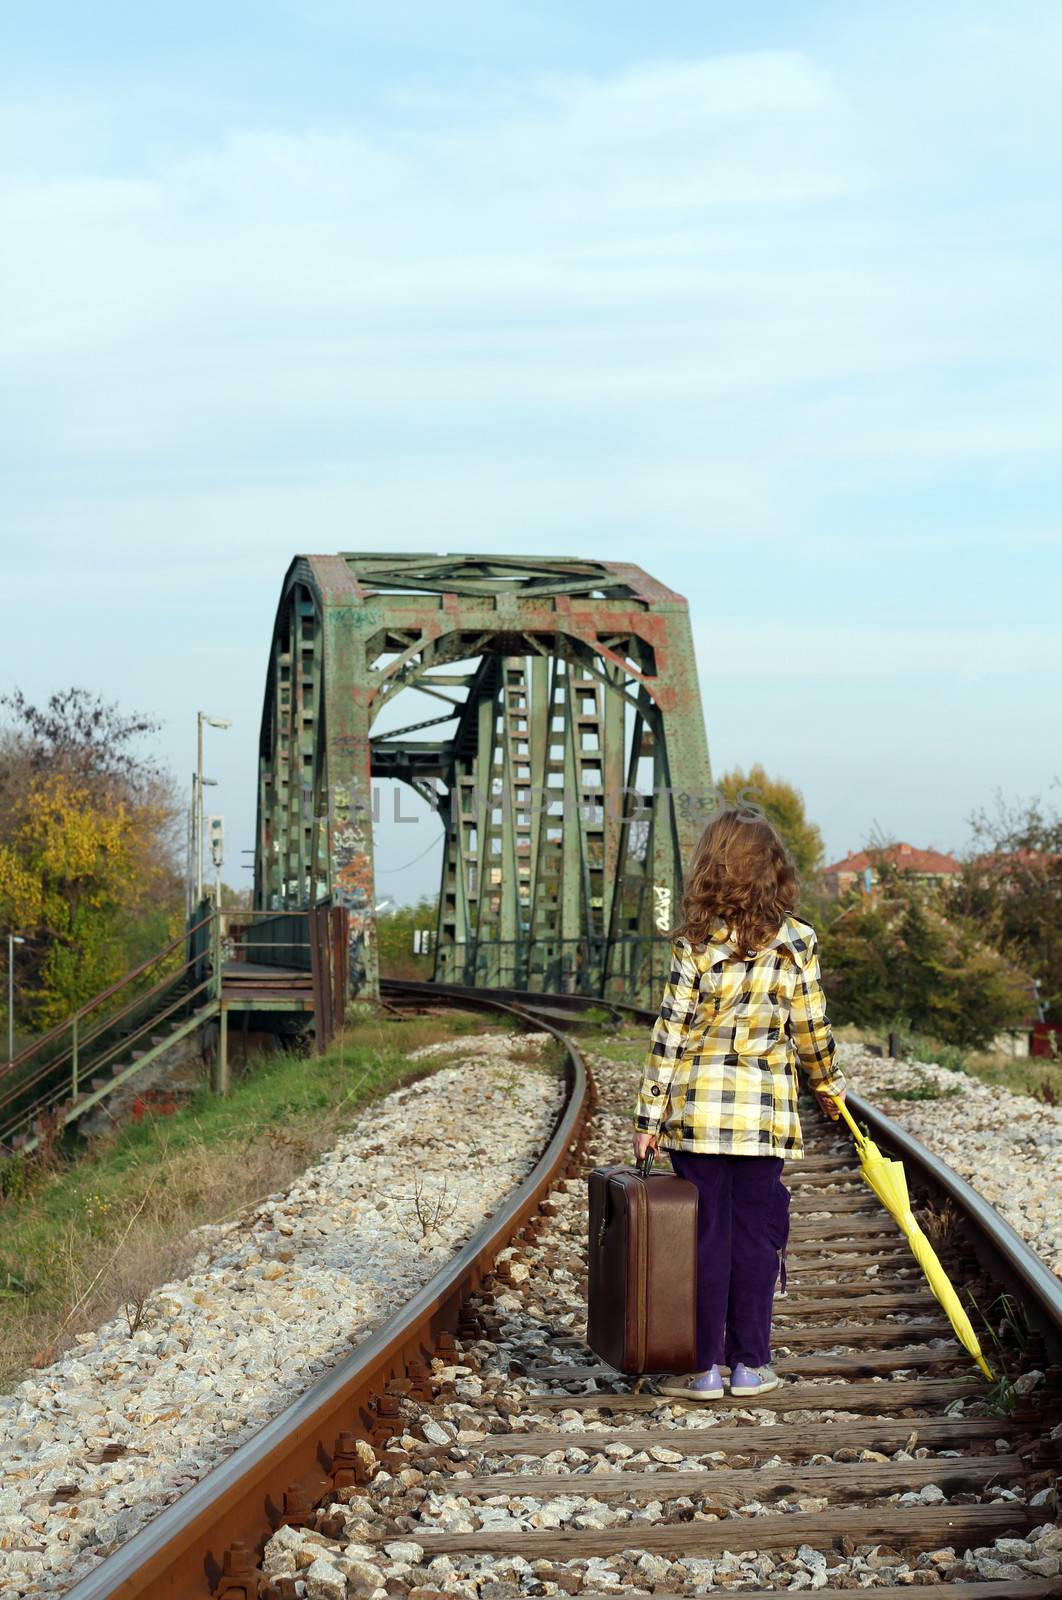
(751, 1380)
(694, 1386)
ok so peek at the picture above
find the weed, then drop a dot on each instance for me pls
(1000, 1397)
(13, 1283)
(921, 1091)
(15, 1177)
(938, 1222)
(596, 1017)
(429, 1212)
(133, 1311)
(1019, 1074)
(920, 1047)
(1001, 1329)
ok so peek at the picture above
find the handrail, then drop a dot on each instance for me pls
(104, 994)
(54, 1062)
(55, 1096)
(54, 1066)
(123, 1044)
(98, 1027)
(8, 1068)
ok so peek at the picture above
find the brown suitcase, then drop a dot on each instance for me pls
(642, 1275)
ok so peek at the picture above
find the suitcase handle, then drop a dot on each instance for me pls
(643, 1168)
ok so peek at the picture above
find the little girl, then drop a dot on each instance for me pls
(742, 1003)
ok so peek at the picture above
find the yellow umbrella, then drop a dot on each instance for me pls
(889, 1182)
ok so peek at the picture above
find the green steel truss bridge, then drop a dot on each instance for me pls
(554, 729)
(569, 768)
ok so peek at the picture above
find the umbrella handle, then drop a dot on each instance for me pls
(848, 1117)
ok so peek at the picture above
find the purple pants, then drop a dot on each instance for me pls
(742, 1224)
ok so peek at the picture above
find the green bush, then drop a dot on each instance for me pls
(898, 955)
(394, 932)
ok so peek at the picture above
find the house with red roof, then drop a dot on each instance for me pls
(860, 868)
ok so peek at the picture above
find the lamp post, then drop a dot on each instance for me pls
(210, 722)
(12, 940)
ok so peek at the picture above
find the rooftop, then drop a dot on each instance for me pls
(905, 857)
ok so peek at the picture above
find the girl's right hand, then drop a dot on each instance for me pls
(644, 1142)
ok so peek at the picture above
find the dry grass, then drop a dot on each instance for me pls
(89, 1239)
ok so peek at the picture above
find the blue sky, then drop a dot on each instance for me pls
(764, 298)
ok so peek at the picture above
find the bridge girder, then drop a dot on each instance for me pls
(569, 767)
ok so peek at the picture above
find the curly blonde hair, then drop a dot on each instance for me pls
(740, 872)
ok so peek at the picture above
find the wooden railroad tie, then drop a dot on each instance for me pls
(789, 1439)
(920, 1527)
(844, 1396)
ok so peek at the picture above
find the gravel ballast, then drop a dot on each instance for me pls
(274, 1298)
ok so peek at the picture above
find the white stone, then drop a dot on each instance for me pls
(1043, 1566)
(324, 1581)
(362, 1578)
(660, 1452)
(652, 1568)
(405, 1550)
(814, 1560)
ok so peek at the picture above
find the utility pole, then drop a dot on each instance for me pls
(12, 940)
(212, 722)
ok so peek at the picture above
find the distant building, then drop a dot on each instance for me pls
(860, 869)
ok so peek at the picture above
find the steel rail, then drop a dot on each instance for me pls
(180, 1554)
(997, 1246)
(527, 999)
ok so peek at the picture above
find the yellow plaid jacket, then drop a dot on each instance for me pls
(720, 1077)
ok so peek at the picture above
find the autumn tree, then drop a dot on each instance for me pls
(783, 806)
(1011, 886)
(64, 877)
(88, 854)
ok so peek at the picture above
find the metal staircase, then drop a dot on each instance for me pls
(273, 965)
(110, 1039)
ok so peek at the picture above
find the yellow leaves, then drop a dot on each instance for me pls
(71, 839)
(21, 897)
(65, 873)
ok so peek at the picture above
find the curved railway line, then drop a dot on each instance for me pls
(476, 1424)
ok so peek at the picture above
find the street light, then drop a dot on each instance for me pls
(211, 722)
(12, 940)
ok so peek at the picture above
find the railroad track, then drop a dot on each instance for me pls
(474, 1446)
